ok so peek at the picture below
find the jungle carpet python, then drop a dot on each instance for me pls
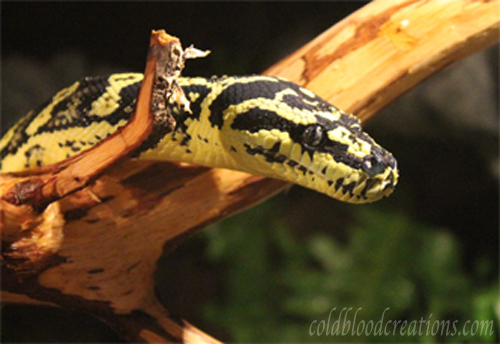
(257, 124)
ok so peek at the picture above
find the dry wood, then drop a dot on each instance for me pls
(115, 229)
(32, 221)
(387, 47)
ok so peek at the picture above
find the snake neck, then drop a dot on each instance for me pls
(194, 139)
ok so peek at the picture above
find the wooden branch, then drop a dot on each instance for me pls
(31, 218)
(115, 229)
(387, 47)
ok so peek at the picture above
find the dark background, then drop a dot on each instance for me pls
(113, 37)
(444, 133)
(256, 33)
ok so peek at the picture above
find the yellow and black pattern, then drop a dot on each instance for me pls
(75, 119)
(262, 125)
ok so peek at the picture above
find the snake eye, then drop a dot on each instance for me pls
(314, 135)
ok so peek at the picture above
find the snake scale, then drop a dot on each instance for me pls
(257, 124)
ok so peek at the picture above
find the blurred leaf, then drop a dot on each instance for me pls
(280, 288)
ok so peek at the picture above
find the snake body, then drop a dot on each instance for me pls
(257, 124)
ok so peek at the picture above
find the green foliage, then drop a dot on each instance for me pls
(402, 275)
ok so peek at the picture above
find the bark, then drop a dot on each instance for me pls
(93, 243)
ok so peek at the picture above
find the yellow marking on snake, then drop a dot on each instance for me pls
(257, 124)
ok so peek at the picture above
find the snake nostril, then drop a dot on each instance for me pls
(373, 165)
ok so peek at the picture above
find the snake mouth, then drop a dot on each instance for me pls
(376, 188)
(339, 181)
(364, 190)
(358, 187)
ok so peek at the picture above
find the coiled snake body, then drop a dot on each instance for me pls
(257, 124)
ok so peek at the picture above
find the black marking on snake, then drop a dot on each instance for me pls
(185, 140)
(20, 136)
(257, 119)
(195, 106)
(271, 155)
(338, 183)
(71, 145)
(297, 101)
(302, 169)
(29, 152)
(202, 139)
(89, 90)
(369, 183)
(239, 92)
(348, 188)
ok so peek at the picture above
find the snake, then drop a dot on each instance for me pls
(262, 125)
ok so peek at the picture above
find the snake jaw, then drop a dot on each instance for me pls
(335, 179)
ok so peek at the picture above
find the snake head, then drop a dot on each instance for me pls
(300, 138)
